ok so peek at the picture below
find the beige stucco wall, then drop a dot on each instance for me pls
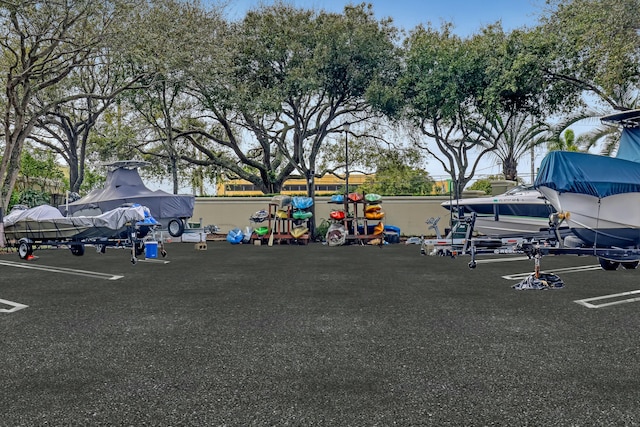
(407, 213)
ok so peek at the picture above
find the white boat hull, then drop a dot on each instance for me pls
(612, 221)
(510, 225)
(520, 211)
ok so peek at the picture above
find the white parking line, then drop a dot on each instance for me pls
(521, 276)
(587, 301)
(153, 260)
(16, 306)
(503, 259)
(93, 274)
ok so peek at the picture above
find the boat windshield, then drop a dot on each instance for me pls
(519, 189)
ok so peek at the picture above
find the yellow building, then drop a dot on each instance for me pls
(326, 185)
(442, 187)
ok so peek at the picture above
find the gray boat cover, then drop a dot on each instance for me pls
(124, 186)
(46, 222)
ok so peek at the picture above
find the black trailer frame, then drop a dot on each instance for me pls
(132, 239)
(535, 247)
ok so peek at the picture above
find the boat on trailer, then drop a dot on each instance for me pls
(29, 229)
(123, 187)
(45, 222)
(599, 195)
(521, 210)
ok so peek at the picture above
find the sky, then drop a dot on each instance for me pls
(468, 16)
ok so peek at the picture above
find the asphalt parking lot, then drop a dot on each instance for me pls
(242, 335)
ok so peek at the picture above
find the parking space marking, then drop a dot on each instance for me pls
(587, 302)
(16, 306)
(52, 269)
(577, 269)
(152, 260)
(503, 259)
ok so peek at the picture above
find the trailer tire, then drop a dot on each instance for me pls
(24, 250)
(176, 227)
(77, 249)
(608, 265)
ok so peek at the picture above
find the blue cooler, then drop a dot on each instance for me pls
(151, 249)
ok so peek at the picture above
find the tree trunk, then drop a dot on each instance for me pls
(10, 167)
(510, 169)
(174, 174)
(311, 192)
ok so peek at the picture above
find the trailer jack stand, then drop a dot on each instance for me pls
(538, 279)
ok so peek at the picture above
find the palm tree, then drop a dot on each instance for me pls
(564, 138)
(515, 139)
(564, 142)
(626, 97)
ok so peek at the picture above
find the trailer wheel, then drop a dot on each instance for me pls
(176, 227)
(77, 249)
(24, 250)
(608, 265)
(632, 265)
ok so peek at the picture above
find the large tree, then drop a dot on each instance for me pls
(177, 35)
(292, 78)
(592, 45)
(66, 129)
(42, 43)
(454, 87)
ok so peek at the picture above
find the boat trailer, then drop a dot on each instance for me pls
(26, 246)
(534, 247)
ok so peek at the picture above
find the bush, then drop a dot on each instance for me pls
(31, 198)
(482, 185)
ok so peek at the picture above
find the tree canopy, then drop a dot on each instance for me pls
(267, 96)
(292, 77)
(453, 88)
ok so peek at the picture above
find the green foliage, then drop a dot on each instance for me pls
(92, 180)
(294, 76)
(564, 142)
(36, 164)
(483, 185)
(39, 174)
(515, 139)
(43, 42)
(453, 88)
(30, 197)
(321, 230)
(591, 45)
(395, 177)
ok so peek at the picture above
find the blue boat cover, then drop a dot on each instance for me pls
(629, 148)
(599, 176)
